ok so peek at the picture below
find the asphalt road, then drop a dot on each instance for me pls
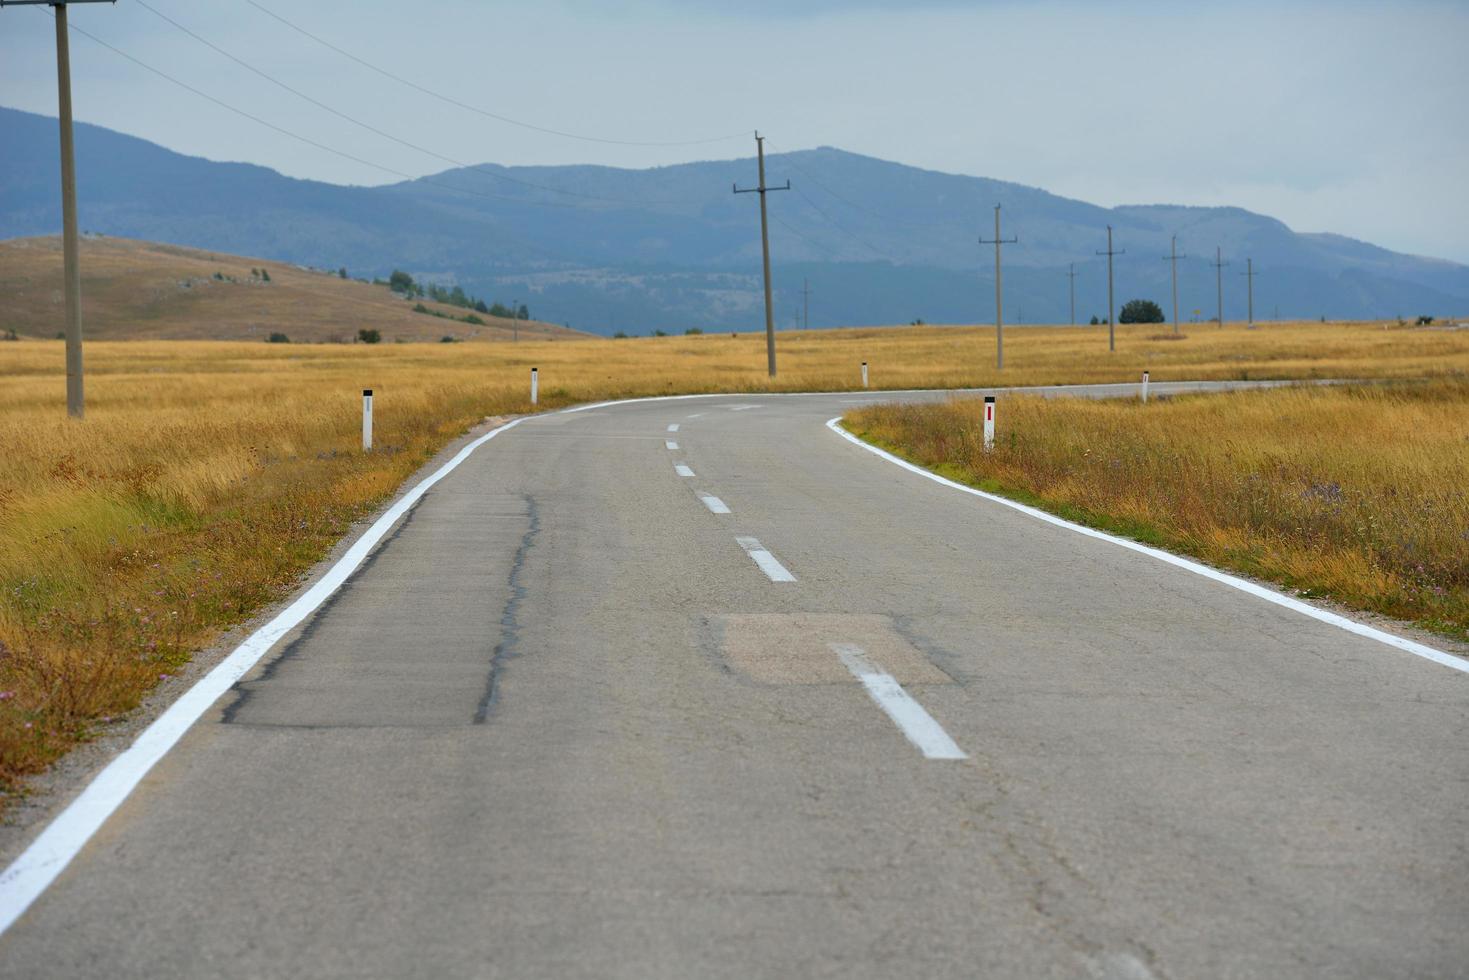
(570, 721)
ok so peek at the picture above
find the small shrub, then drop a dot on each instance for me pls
(342, 272)
(279, 338)
(369, 336)
(447, 339)
(692, 332)
(10, 335)
(659, 333)
(1425, 321)
(471, 318)
(400, 282)
(619, 335)
(265, 275)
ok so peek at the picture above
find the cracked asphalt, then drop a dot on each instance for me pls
(561, 724)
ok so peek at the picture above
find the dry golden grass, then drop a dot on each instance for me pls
(1360, 494)
(134, 290)
(208, 476)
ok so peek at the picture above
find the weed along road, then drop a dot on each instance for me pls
(701, 688)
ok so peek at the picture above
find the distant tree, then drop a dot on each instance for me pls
(1095, 321)
(446, 339)
(265, 274)
(400, 282)
(692, 332)
(219, 276)
(254, 272)
(10, 334)
(523, 313)
(480, 307)
(502, 311)
(619, 335)
(1425, 321)
(917, 323)
(659, 333)
(279, 338)
(474, 320)
(369, 336)
(1140, 311)
(342, 272)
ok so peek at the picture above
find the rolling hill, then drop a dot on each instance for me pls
(602, 248)
(135, 290)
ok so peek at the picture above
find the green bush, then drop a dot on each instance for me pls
(369, 336)
(692, 332)
(1140, 311)
(279, 338)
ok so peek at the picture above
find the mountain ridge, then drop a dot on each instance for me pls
(605, 248)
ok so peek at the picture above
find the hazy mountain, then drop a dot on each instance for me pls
(603, 248)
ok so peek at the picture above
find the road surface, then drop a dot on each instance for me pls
(697, 688)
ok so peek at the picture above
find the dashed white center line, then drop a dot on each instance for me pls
(695, 415)
(918, 725)
(715, 505)
(682, 470)
(673, 427)
(773, 569)
(669, 444)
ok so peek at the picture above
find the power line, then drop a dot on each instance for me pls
(318, 145)
(365, 125)
(845, 200)
(852, 235)
(476, 109)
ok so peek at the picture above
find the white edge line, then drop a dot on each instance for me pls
(49, 854)
(1269, 595)
(912, 720)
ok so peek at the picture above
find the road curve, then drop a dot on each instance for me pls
(740, 699)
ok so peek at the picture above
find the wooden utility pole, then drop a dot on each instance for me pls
(1219, 265)
(765, 249)
(806, 304)
(1172, 257)
(1249, 275)
(1111, 304)
(997, 241)
(1071, 275)
(70, 245)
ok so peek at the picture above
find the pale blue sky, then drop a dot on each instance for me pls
(1345, 117)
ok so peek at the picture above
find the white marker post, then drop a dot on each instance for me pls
(535, 386)
(367, 420)
(864, 374)
(989, 423)
(1145, 387)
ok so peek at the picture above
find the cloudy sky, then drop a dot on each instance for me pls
(1332, 116)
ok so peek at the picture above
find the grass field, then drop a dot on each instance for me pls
(208, 476)
(1359, 494)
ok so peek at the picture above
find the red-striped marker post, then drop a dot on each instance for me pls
(989, 423)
